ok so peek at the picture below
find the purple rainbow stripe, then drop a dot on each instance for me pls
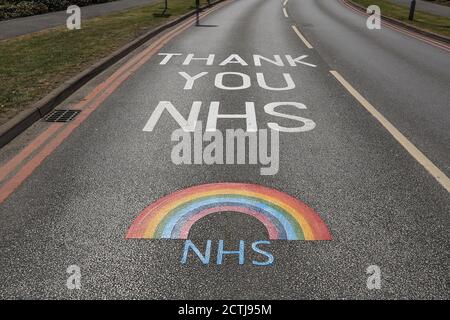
(284, 217)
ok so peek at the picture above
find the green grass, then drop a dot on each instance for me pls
(436, 24)
(32, 66)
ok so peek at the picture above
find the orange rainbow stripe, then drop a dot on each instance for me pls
(284, 217)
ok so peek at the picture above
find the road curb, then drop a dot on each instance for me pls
(445, 40)
(39, 109)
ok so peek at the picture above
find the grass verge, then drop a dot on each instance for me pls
(426, 21)
(31, 66)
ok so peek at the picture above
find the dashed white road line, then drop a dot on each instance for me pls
(285, 3)
(285, 13)
(412, 150)
(307, 44)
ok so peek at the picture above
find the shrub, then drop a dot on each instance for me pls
(22, 9)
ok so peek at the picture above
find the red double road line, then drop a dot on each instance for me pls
(55, 134)
(418, 36)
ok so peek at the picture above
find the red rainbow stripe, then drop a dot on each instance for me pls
(284, 217)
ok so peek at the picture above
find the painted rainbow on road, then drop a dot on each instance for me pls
(285, 218)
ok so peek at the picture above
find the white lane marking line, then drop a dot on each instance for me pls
(307, 44)
(285, 13)
(412, 150)
(285, 3)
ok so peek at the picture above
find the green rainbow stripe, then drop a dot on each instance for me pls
(284, 217)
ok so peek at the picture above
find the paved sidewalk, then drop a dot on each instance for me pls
(426, 6)
(20, 26)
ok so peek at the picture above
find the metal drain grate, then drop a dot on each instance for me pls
(61, 115)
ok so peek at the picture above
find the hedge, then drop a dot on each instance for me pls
(20, 8)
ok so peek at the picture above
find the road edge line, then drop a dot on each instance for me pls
(97, 96)
(404, 142)
(23, 120)
(84, 103)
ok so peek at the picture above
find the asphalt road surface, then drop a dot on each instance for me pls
(72, 198)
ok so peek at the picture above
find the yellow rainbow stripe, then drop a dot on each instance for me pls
(287, 215)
